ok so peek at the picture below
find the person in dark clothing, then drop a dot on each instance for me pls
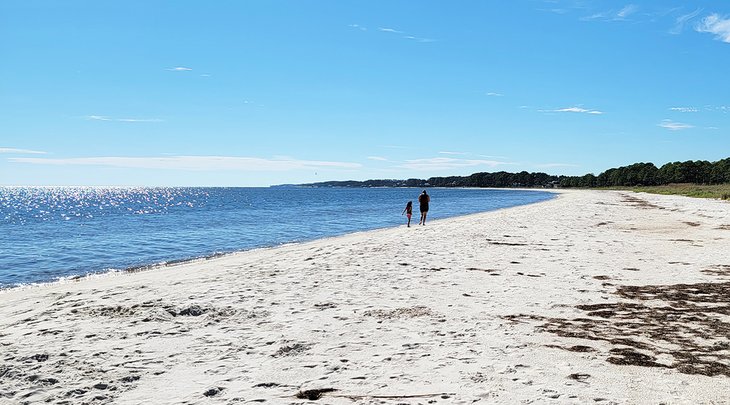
(408, 211)
(423, 201)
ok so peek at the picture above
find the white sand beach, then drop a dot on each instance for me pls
(601, 297)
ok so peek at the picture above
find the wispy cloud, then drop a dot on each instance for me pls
(402, 34)
(390, 30)
(358, 27)
(104, 118)
(684, 109)
(419, 39)
(715, 24)
(179, 69)
(195, 163)
(440, 163)
(613, 15)
(627, 11)
(674, 126)
(453, 153)
(493, 157)
(574, 110)
(555, 10)
(22, 151)
(378, 158)
(493, 94)
(596, 16)
(682, 20)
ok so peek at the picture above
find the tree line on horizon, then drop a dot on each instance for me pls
(637, 174)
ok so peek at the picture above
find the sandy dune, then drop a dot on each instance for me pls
(593, 297)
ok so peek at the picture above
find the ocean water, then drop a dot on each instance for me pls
(50, 233)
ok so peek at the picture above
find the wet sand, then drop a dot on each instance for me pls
(593, 297)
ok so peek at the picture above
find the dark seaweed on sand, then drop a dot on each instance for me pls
(681, 327)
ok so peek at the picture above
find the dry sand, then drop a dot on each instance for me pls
(593, 297)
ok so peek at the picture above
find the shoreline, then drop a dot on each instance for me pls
(176, 262)
(568, 300)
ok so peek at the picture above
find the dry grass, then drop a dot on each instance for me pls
(721, 191)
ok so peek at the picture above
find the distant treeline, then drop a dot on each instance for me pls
(637, 174)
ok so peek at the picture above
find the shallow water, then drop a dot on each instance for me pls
(47, 233)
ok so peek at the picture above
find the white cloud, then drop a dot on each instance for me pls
(104, 118)
(21, 151)
(683, 109)
(555, 10)
(453, 153)
(714, 24)
(493, 94)
(575, 110)
(357, 26)
(378, 158)
(613, 15)
(682, 20)
(674, 126)
(627, 10)
(417, 39)
(196, 163)
(180, 69)
(448, 163)
(595, 16)
(395, 31)
(493, 156)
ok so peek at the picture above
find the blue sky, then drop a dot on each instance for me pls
(253, 93)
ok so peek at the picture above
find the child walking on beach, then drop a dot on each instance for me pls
(408, 211)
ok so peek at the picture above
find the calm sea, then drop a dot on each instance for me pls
(50, 233)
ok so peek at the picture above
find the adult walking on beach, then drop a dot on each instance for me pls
(423, 201)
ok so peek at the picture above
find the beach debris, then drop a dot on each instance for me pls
(408, 312)
(211, 392)
(479, 377)
(579, 377)
(193, 310)
(267, 385)
(718, 270)
(314, 394)
(638, 202)
(41, 357)
(683, 324)
(325, 305)
(130, 378)
(492, 272)
(291, 350)
(633, 358)
(500, 243)
(575, 348)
